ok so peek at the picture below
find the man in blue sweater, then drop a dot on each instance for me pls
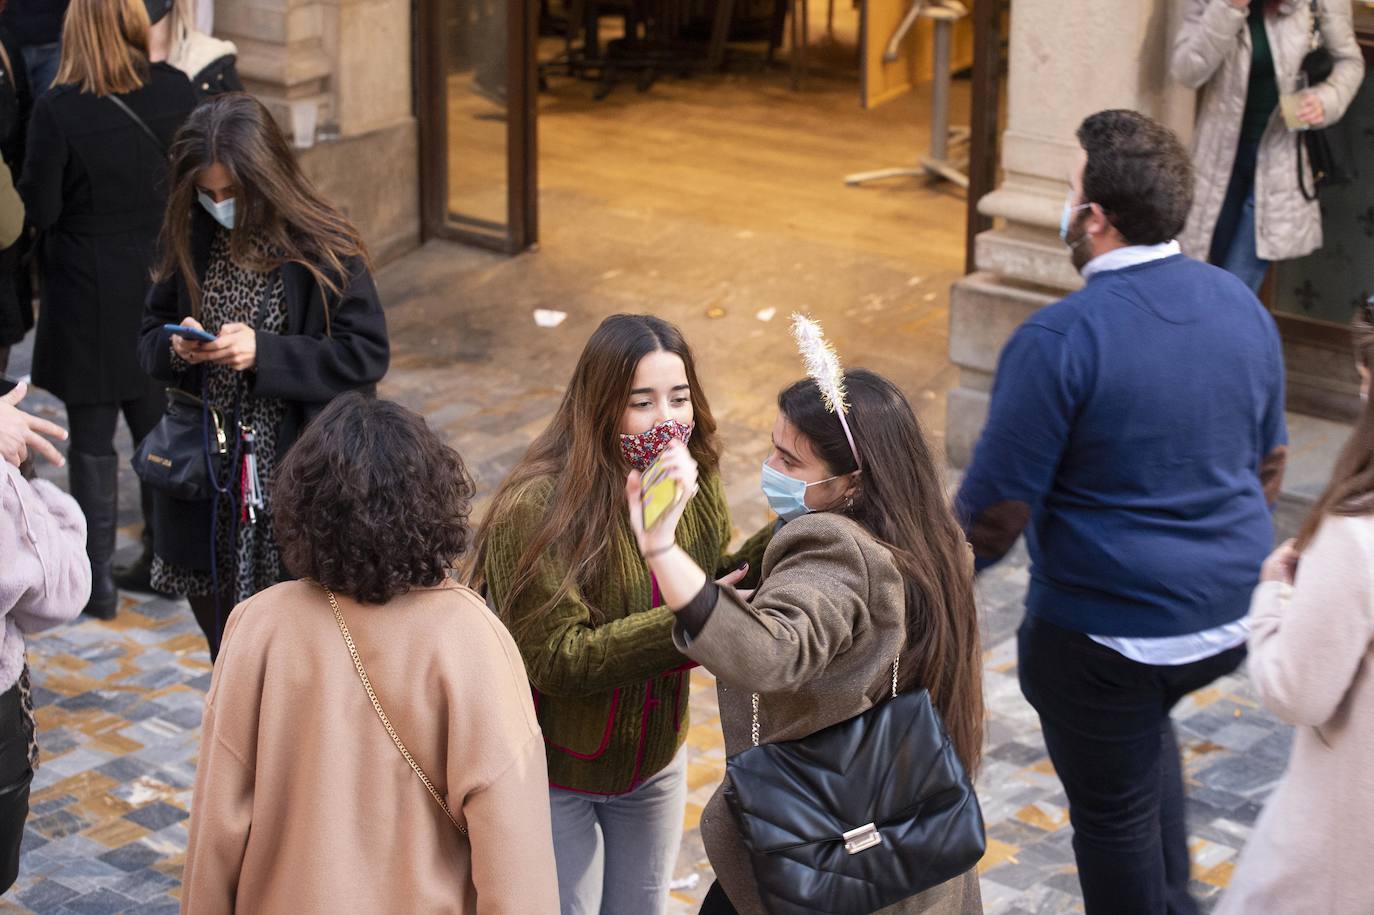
(1136, 434)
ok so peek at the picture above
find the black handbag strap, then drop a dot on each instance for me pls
(142, 125)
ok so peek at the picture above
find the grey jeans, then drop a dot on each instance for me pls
(616, 854)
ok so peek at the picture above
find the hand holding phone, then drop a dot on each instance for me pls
(188, 339)
(197, 333)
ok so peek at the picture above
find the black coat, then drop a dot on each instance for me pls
(94, 184)
(35, 22)
(16, 103)
(305, 366)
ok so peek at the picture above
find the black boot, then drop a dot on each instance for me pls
(93, 479)
(138, 575)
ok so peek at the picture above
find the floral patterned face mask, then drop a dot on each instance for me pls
(642, 448)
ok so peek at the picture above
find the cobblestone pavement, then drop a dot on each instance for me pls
(120, 703)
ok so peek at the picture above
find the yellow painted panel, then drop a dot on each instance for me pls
(883, 81)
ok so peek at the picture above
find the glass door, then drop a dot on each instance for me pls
(477, 84)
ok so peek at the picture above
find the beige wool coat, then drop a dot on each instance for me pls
(817, 641)
(304, 806)
(1312, 663)
(1211, 53)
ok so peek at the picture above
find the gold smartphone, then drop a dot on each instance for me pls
(658, 495)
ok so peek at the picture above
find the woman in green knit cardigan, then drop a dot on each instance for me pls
(562, 567)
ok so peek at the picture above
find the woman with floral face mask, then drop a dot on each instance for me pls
(560, 564)
(869, 565)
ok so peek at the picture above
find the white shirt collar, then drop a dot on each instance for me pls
(1129, 256)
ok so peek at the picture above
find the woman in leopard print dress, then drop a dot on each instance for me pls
(252, 254)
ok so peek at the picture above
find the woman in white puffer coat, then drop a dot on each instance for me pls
(1248, 209)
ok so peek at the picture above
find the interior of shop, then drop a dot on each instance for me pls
(743, 114)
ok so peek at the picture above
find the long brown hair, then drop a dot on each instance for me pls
(900, 500)
(1351, 490)
(104, 46)
(579, 451)
(279, 216)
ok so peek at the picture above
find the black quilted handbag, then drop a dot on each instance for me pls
(859, 816)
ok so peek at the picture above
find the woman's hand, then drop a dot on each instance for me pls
(729, 578)
(1282, 564)
(22, 433)
(679, 464)
(186, 349)
(1311, 111)
(1242, 5)
(236, 347)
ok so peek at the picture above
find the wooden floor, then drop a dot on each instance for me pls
(737, 150)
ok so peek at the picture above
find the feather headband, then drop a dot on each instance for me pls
(823, 365)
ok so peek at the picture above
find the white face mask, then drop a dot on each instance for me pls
(222, 212)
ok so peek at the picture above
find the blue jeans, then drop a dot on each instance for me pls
(40, 64)
(1233, 238)
(615, 855)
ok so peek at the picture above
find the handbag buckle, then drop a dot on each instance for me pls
(865, 837)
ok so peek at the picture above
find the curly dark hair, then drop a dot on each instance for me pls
(1139, 173)
(370, 502)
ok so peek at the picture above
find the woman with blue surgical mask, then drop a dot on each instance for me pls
(867, 567)
(252, 255)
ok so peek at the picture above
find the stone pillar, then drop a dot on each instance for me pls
(353, 59)
(1068, 60)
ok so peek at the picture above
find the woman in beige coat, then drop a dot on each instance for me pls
(1312, 662)
(1248, 209)
(868, 564)
(304, 801)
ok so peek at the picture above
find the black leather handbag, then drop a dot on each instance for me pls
(859, 816)
(174, 457)
(1315, 144)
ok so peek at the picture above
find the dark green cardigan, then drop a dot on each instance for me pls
(611, 698)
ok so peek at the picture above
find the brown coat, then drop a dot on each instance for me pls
(817, 642)
(1212, 53)
(304, 805)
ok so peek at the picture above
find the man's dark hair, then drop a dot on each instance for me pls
(370, 502)
(1138, 173)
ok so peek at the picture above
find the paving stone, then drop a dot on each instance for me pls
(46, 895)
(100, 902)
(156, 816)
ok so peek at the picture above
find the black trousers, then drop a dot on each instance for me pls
(15, 776)
(1107, 728)
(92, 426)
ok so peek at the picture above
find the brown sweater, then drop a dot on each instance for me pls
(304, 805)
(816, 642)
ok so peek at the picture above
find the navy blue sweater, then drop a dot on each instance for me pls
(1130, 425)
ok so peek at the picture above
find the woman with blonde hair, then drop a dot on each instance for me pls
(209, 63)
(94, 183)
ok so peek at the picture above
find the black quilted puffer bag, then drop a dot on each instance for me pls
(859, 816)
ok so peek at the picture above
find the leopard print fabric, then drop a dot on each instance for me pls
(246, 555)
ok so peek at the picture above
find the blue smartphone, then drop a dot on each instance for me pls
(190, 333)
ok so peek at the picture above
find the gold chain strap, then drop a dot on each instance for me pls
(376, 704)
(754, 725)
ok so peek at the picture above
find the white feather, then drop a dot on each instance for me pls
(822, 364)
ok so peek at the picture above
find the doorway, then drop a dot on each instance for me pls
(724, 112)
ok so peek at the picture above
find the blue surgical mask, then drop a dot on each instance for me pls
(1066, 216)
(787, 495)
(222, 212)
